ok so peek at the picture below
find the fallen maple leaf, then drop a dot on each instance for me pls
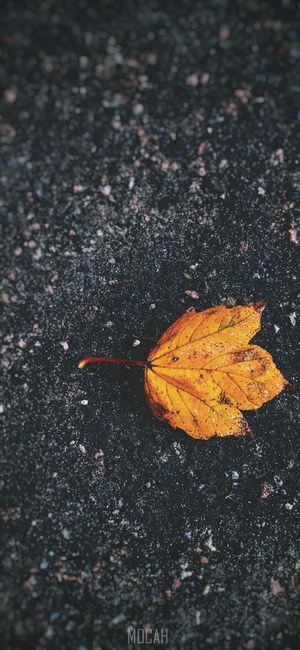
(203, 372)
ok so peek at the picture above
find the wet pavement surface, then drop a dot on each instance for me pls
(149, 149)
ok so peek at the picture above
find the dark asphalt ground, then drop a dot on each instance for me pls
(147, 149)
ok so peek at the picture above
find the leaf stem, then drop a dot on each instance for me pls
(127, 362)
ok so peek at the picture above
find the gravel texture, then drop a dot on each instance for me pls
(149, 149)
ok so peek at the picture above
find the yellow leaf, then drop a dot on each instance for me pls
(203, 371)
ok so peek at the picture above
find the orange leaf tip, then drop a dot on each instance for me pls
(259, 305)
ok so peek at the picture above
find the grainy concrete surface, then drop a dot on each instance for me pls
(147, 149)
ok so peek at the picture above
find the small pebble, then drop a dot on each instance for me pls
(105, 190)
(293, 317)
(192, 294)
(10, 95)
(192, 80)
(265, 490)
(138, 109)
(224, 32)
(276, 588)
(293, 236)
(77, 189)
(289, 506)
(201, 487)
